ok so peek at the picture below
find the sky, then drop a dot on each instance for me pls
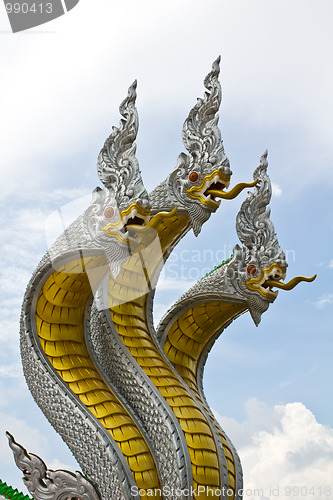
(60, 88)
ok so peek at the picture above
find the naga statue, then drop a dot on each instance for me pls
(125, 397)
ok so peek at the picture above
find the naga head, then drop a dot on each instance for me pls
(260, 264)
(122, 206)
(202, 175)
(253, 271)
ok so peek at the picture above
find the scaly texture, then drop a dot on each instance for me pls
(59, 320)
(130, 321)
(87, 330)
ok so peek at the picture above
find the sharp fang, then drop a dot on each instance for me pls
(209, 197)
(134, 212)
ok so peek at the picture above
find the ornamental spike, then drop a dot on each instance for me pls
(117, 165)
(201, 135)
(253, 224)
(46, 484)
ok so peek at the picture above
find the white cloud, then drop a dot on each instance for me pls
(8, 332)
(28, 231)
(75, 195)
(32, 431)
(276, 190)
(57, 464)
(24, 434)
(11, 371)
(174, 284)
(330, 264)
(60, 219)
(56, 106)
(259, 417)
(324, 301)
(282, 447)
(13, 280)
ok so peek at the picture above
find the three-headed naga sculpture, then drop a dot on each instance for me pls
(126, 398)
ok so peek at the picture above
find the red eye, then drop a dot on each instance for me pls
(109, 212)
(251, 269)
(193, 177)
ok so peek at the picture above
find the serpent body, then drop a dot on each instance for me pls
(127, 400)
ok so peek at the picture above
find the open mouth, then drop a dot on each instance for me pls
(132, 220)
(214, 190)
(271, 278)
(271, 281)
(129, 223)
(213, 186)
(268, 279)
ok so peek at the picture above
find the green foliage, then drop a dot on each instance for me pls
(217, 267)
(10, 493)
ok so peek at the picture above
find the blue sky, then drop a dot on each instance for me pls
(61, 85)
